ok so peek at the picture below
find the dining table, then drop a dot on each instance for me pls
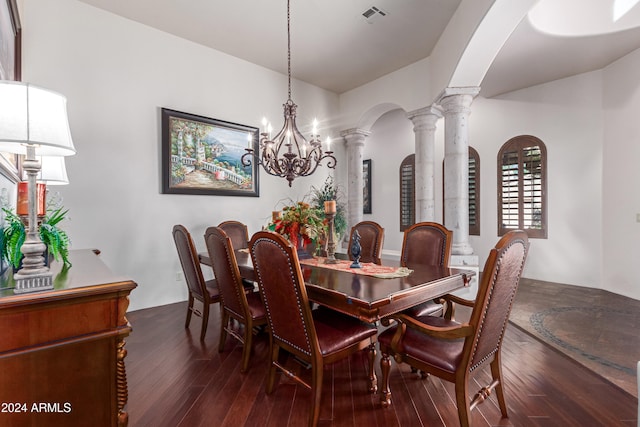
(370, 293)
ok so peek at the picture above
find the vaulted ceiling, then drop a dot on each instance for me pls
(339, 45)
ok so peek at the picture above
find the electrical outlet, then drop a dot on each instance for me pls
(178, 276)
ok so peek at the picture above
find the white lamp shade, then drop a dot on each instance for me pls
(31, 115)
(52, 172)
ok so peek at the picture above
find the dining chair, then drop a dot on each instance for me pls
(206, 292)
(316, 337)
(426, 243)
(455, 351)
(236, 303)
(371, 239)
(238, 233)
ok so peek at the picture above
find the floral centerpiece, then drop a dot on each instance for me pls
(304, 223)
(300, 223)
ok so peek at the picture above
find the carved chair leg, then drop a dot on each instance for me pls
(496, 373)
(316, 393)
(373, 381)
(224, 323)
(189, 311)
(385, 393)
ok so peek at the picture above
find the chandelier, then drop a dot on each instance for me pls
(289, 155)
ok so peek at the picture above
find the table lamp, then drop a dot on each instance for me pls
(33, 120)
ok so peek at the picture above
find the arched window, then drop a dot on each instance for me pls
(407, 192)
(522, 186)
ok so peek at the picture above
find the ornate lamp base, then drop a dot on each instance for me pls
(32, 282)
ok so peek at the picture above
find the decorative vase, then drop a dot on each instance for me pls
(302, 249)
(356, 249)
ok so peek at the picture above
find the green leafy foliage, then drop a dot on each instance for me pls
(330, 191)
(14, 235)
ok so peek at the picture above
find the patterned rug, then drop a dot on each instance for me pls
(596, 328)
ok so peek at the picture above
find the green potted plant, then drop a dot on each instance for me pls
(14, 233)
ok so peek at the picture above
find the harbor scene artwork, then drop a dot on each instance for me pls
(203, 156)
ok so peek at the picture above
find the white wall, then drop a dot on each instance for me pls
(567, 116)
(117, 74)
(621, 176)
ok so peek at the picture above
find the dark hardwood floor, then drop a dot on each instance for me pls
(176, 380)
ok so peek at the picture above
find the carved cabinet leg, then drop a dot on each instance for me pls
(121, 383)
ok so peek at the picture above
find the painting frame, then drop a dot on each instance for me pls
(10, 69)
(366, 187)
(10, 41)
(202, 156)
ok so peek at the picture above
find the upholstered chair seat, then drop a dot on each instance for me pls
(336, 330)
(437, 353)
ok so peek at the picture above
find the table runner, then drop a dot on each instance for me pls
(368, 268)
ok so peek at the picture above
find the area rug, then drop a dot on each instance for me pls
(596, 328)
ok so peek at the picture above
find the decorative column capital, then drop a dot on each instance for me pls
(425, 118)
(355, 135)
(457, 99)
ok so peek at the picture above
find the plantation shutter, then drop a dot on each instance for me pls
(522, 186)
(407, 192)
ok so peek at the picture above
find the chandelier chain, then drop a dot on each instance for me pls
(289, 44)
(289, 155)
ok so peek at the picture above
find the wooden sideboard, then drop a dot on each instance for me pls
(62, 350)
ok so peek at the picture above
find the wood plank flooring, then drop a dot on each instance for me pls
(176, 380)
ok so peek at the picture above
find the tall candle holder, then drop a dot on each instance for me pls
(330, 213)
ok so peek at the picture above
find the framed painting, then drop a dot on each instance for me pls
(366, 186)
(203, 156)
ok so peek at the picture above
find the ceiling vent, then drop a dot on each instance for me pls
(373, 14)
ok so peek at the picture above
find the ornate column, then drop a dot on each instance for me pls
(456, 104)
(424, 126)
(354, 139)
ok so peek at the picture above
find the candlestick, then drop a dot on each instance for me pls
(331, 244)
(330, 207)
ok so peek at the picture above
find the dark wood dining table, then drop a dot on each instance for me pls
(368, 298)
